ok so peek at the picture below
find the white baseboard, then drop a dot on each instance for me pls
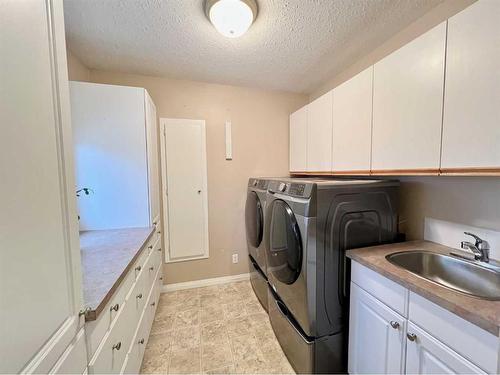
(205, 282)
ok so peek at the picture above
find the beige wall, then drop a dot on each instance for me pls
(76, 70)
(471, 201)
(260, 148)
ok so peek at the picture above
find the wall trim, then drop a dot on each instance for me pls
(205, 282)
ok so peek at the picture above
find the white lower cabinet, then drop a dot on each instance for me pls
(376, 337)
(121, 346)
(427, 355)
(421, 338)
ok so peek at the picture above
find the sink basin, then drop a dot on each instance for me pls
(460, 275)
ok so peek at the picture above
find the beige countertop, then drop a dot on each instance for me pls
(481, 312)
(107, 256)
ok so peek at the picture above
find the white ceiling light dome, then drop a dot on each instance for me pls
(231, 18)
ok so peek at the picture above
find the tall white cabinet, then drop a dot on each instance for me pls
(116, 155)
(471, 122)
(40, 255)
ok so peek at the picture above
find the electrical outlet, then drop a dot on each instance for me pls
(235, 258)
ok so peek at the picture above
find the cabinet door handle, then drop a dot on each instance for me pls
(114, 308)
(141, 341)
(117, 346)
(161, 278)
(150, 247)
(153, 304)
(151, 268)
(411, 336)
(394, 324)
(139, 296)
(138, 268)
(159, 249)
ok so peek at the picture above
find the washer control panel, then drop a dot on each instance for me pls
(295, 189)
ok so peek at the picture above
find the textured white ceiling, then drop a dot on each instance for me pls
(294, 45)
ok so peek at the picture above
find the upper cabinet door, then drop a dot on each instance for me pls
(471, 128)
(352, 124)
(407, 106)
(319, 134)
(298, 140)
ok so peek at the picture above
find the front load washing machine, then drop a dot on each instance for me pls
(254, 223)
(309, 226)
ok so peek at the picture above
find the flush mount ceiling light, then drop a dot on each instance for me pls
(231, 18)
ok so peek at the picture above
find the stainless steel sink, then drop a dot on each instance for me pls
(452, 272)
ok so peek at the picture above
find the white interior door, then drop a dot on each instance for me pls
(184, 171)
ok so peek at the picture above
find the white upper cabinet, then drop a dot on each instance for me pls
(298, 140)
(471, 128)
(352, 124)
(407, 105)
(319, 134)
(116, 155)
(40, 280)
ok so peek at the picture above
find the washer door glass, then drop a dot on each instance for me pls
(285, 243)
(254, 219)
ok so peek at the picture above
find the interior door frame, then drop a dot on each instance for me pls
(164, 192)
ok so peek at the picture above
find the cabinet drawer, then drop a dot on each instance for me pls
(111, 353)
(475, 344)
(133, 360)
(139, 294)
(96, 329)
(392, 294)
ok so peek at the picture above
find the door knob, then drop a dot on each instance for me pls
(411, 336)
(394, 324)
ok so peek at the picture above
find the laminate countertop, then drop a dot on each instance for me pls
(107, 256)
(481, 312)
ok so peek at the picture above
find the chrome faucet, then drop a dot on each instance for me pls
(481, 248)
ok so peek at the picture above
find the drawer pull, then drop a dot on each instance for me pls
(138, 268)
(394, 324)
(139, 296)
(159, 249)
(411, 336)
(117, 346)
(151, 268)
(141, 341)
(161, 278)
(150, 247)
(153, 304)
(114, 308)
(159, 232)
